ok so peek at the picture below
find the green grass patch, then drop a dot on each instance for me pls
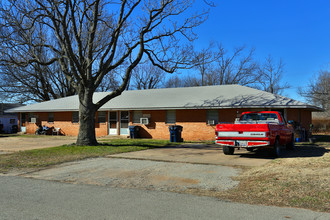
(40, 158)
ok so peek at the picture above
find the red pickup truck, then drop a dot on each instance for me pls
(264, 129)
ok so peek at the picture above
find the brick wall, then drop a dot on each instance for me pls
(63, 120)
(194, 123)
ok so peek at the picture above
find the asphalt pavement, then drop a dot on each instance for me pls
(25, 198)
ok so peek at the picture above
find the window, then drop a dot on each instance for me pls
(12, 121)
(136, 117)
(101, 117)
(170, 117)
(212, 116)
(50, 117)
(75, 117)
(124, 120)
(259, 117)
(31, 118)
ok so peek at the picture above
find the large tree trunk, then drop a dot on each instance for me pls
(87, 112)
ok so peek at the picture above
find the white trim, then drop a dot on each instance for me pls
(249, 134)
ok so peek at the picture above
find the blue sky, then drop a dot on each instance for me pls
(298, 32)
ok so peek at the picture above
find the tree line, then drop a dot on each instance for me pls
(214, 65)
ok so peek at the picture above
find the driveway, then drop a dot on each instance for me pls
(181, 168)
(199, 154)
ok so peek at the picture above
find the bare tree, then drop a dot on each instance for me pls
(173, 82)
(217, 66)
(237, 67)
(34, 82)
(147, 76)
(204, 62)
(91, 38)
(270, 76)
(318, 90)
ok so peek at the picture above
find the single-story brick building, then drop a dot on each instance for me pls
(196, 109)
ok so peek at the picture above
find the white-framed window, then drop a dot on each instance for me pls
(75, 117)
(170, 117)
(212, 116)
(101, 117)
(136, 117)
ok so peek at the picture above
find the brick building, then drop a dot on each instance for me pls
(196, 109)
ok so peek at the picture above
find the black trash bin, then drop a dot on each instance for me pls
(175, 133)
(14, 129)
(133, 131)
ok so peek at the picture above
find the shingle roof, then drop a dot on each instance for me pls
(206, 97)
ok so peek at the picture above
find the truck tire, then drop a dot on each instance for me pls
(228, 150)
(276, 151)
(290, 145)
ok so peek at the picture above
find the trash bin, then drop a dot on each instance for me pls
(14, 129)
(133, 131)
(175, 133)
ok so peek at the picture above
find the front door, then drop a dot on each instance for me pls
(124, 120)
(113, 123)
(23, 122)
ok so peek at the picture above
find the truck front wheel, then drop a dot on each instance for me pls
(228, 150)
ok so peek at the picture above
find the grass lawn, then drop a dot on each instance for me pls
(36, 159)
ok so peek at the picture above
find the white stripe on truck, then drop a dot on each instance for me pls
(243, 134)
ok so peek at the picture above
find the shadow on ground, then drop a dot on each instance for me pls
(303, 150)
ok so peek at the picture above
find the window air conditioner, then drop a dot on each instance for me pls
(144, 121)
(211, 122)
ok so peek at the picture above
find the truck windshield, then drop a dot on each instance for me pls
(259, 117)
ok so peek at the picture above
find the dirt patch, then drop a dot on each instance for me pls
(14, 144)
